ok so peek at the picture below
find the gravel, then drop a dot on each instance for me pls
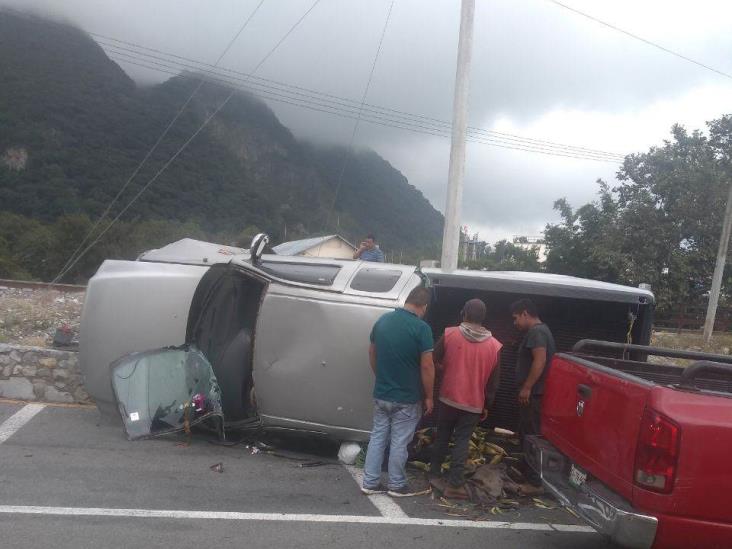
(31, 316)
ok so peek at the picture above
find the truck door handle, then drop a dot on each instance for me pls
(584, 391)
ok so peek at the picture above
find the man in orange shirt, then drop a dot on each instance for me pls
(469, 357)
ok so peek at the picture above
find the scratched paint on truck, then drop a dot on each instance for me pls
(599, 435)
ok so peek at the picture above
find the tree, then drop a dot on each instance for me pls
(661, 225)
(505, 256)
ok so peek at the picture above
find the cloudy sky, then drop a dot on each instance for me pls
(539, 71)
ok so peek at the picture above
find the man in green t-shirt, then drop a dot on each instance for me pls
(401, 358)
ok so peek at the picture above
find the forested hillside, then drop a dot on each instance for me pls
(73, 127)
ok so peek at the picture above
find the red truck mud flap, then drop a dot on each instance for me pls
(604, 510)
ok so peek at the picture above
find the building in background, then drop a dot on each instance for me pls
(529, 243)
(332, 246)
(472, 248)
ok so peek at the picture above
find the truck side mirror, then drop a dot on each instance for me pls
(256, 249)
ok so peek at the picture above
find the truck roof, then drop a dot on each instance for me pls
(196, 252)
(546, 284)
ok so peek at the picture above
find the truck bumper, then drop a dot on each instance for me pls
(604, 510)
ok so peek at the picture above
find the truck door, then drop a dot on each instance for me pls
(311, 354)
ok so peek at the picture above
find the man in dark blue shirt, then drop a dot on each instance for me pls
(401, 358)
(369, 251)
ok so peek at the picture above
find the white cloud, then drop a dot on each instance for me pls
(539, 71)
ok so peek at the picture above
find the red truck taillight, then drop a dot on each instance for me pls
(657, 452)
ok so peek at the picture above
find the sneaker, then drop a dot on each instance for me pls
(373, 491)
(409, 490)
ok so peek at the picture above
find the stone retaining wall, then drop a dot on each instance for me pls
(40, 374)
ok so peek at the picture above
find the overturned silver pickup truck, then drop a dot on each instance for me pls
(287, 337)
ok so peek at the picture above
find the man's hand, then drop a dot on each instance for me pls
(484, 415)
(429, 405)
(524, 396)
(372, 357)
(361, 249)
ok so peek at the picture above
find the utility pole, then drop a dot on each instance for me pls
(451, 233)
(718, 270)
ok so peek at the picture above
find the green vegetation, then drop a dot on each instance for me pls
(505, 256)
(31, 249)
(660, 226)
(73, 127)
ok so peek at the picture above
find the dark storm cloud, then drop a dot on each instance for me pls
(531, 59)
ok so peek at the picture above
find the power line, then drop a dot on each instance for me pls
(120, 56)
(190, 139)
(536, 145)
(641, 39)
(152, 150)
(305, 92)
(347, 153)
(313, 100)
(376, 119)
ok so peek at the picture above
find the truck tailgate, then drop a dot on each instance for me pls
(593, 415)
(703, 486)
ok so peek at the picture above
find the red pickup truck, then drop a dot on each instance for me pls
(641, 451)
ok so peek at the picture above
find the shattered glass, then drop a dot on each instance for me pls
(164, 391)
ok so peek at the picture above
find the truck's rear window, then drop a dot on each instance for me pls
(375, 280)
(321, 275)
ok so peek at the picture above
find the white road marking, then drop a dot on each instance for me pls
(285, 517)
(386, 506)
(11, 425)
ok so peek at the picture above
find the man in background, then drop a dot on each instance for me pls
(534, 358)
(401, 358)
(369, 250)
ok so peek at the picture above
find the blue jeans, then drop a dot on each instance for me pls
(394, 424)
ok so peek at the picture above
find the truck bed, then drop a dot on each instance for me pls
(661, 374)
(640, 450)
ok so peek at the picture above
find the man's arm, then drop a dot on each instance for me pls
(439, 353)
(494, 381)
(491, 388)
(358, 253)
(372, 357)
(427, 369)
(538, 363)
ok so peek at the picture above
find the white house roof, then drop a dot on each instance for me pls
(296, 247)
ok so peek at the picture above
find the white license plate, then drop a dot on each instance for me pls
(577, 476)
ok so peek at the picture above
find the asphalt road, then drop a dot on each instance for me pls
(69, 479)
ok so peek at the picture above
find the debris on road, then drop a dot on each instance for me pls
(486, 447)
(217, 468)
(178, 383)
(348, 452)
(494, 484)
(308, 464)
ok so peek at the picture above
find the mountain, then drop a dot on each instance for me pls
(74, 126)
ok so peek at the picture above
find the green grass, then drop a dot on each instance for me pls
(721, 344)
